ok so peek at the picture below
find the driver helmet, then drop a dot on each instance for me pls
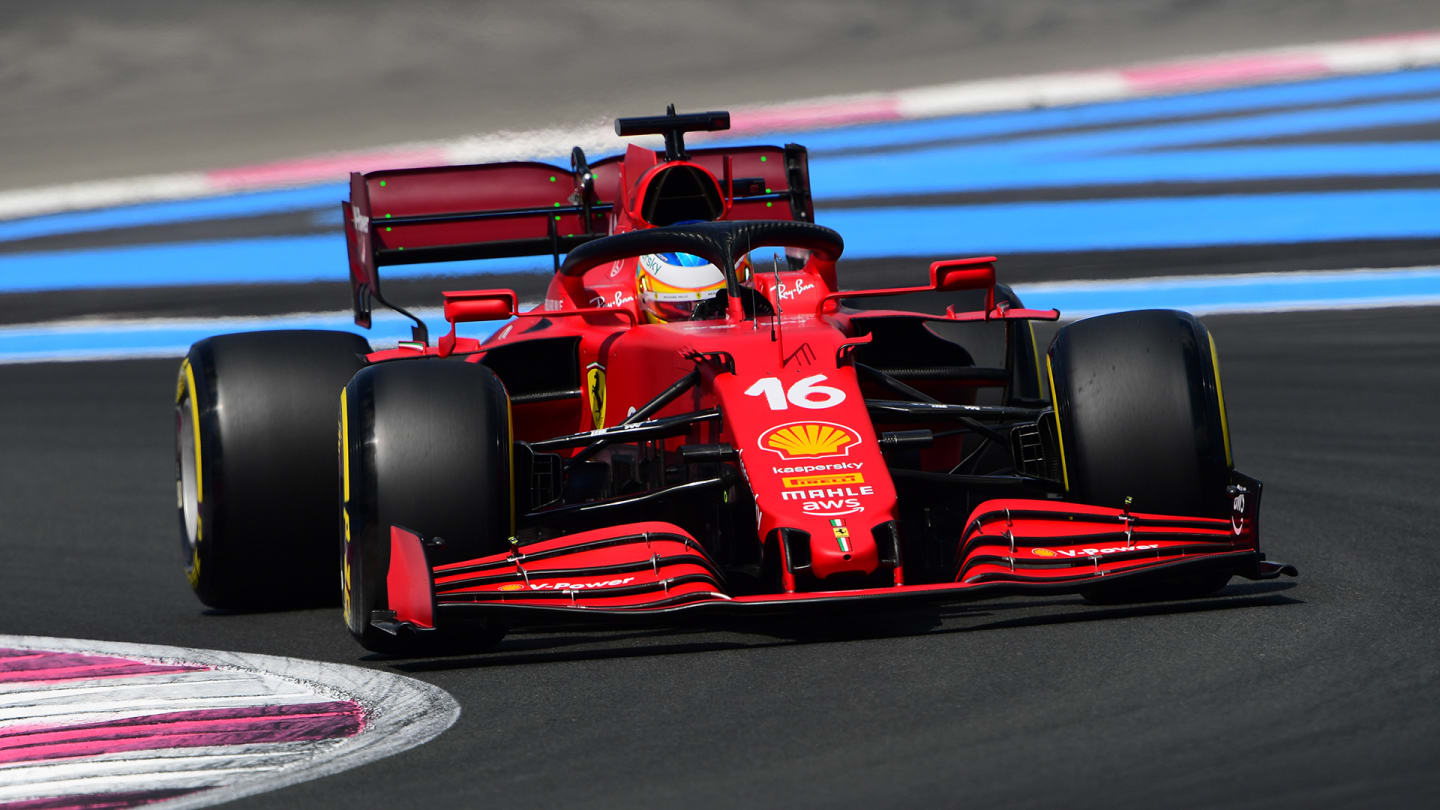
(673, 286)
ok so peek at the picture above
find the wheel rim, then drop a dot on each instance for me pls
(186, 489)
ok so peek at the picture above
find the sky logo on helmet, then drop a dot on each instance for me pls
(809, 440)
(679, 271)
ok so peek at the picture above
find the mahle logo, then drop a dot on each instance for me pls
(809, 440)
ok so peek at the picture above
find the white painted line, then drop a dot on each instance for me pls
(1180, 282)
(219, 325)
(1011, 94)
(40, 693)
(103, 194)
(166, 761)
(399, 713)
(1241, 293)
(137, 338)
(95, 711)
(1370, 55)
(91, 355)
(190, 768)
(1362, 288)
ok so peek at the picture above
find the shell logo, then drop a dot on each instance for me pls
(511, 586)
(809, 440)
(1042, 552)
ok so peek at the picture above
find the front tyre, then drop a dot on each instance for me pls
(254, 465)
(425, 445)
(1142, 424)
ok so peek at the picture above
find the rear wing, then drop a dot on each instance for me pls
(454, 213)
(499, 210)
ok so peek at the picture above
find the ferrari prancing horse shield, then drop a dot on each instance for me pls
(595, 384)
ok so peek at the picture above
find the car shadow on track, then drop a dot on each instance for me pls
(600, 641)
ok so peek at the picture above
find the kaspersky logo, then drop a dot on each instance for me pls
(809, 440)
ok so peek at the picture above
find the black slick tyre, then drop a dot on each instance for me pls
(1142, 424)
(255, 483)
(425, 446)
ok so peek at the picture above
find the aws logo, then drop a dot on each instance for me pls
(809, 440)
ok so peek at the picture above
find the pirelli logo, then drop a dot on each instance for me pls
(833, 479)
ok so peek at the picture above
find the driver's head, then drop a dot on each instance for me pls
(672, 286)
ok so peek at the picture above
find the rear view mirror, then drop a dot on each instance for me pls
(468, 306)
(952, 275)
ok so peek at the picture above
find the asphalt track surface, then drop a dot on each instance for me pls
(1317, 692)
(1314, 692)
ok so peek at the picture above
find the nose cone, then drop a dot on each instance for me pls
(809, 453)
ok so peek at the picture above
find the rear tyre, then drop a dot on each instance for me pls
(1142, 425)
(425, 446)
(254, 465)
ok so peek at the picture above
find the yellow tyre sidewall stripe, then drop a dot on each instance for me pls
(1220, 397)
(1059, 432)
(188, 383)
(185, 389)
(345, 505)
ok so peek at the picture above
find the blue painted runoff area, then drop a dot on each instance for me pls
(1252, 292)
(869, 233)
(165, 213)
(1261, 292)
(1124, 224)
(171, 337)
(1132, 142)
(240, 261)
(1341, 90)
(1168, 151)
(959, 170)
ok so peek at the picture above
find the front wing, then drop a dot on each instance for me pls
(655, 569)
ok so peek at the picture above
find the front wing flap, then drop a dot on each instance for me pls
(656, 569)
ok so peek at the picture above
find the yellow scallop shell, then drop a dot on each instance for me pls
(809, 439)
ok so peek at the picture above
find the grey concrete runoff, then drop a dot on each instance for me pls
(99, 89)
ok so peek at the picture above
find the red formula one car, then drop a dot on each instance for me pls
(697, 420)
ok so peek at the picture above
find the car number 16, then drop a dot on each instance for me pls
(805, 393)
